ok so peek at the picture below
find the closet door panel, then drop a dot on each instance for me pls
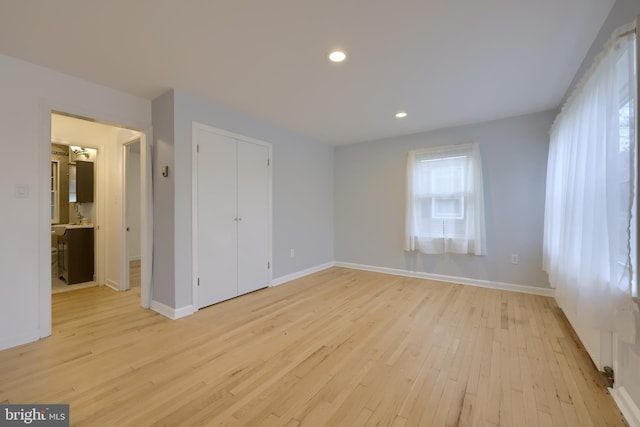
(253, 209)
(217, 219)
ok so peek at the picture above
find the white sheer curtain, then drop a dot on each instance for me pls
(445, 201)
(590, 188)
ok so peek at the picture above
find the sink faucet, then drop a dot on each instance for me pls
(79, 215)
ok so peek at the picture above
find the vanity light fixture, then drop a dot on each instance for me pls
(401, 114)
(80, 151)
(337, 56)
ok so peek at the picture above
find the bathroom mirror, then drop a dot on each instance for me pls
(72, 183)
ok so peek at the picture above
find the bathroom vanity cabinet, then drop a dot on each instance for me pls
(75, 255)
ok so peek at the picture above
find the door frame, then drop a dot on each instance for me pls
(124, 252)
(146, 219)
(46, 108)
(195, 128)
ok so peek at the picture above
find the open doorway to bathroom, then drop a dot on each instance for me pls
(87, 202)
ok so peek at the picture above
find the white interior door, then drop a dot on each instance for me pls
(253, 214)
(217, 218)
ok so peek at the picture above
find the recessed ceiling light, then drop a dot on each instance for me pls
(337, 56)
(401, 115)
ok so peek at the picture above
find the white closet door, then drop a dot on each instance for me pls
(253, 209)
(217, 219)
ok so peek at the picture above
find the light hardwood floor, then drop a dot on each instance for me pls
(339, 347)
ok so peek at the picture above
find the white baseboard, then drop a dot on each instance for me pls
(172, 313)
(626, 405)
(452, 279)
(113, 285)
(298, 274)
(547, 292)
(16, 340)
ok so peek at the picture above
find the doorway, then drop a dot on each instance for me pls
(108, 215)
(132, 180)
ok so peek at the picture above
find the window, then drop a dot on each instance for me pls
(55, 189)
(72, 183)
(445, 208)
(626, 248)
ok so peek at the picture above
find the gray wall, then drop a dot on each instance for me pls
(163, 201)
(134, 197)
(370, 196)
(302, 192)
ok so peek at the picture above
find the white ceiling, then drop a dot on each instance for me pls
(446, 62)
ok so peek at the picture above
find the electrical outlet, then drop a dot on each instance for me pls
(515, 259)
(293, 253)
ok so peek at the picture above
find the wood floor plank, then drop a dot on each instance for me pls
(338, 347)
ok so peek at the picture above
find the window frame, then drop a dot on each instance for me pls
(55, 191)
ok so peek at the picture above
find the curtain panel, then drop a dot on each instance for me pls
(590, 188)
